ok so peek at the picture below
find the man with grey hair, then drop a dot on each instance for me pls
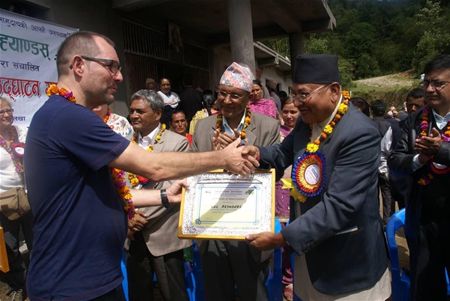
(156, 246)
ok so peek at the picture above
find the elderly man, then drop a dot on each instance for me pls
(227, 264)
(170, 98)
(335, 228)
(423, 153)
(157, 242)
(77, 200)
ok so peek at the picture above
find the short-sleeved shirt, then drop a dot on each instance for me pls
(79, 222)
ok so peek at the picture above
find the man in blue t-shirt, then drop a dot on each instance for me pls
(79, 221)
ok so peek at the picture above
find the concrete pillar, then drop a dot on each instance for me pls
(296, 47)
(241, 32)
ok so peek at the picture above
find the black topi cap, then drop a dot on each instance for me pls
(316, 69)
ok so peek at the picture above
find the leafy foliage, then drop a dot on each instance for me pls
(377, 37)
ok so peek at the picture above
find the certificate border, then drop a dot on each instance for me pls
(182, 235)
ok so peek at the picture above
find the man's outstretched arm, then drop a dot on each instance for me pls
(165, 166)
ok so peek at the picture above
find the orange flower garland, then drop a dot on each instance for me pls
(107, 116)
(432, 169)
(53, 89)
(247, 120)
(118, 175)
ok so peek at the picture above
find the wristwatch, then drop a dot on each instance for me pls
(164, 199)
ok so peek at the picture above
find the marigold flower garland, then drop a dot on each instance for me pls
(307, 174)
(135, 180)
(424, 128)
(53, 89)
(107, 116)
(247, 120)
(117, 175)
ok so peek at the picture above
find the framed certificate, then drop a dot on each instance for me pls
(219, 205)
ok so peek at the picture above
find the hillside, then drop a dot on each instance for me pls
(392, 88)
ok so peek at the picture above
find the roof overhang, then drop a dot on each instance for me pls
(210, 17)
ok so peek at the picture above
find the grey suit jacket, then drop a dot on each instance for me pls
(262, 131)
(160, 233)
(339, 230)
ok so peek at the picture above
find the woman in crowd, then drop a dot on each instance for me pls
(117, 123)
(209, 107)
(259, 104)
(12, 148)
(290, 114)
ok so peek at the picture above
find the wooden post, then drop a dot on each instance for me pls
(4, 264)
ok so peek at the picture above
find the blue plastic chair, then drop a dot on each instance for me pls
(193, 272)
(273, 282)
(189, 277)
(400, 280)
(123, 268)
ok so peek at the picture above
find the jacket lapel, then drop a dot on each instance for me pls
(251, 135)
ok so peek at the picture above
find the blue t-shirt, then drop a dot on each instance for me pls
(79, 222)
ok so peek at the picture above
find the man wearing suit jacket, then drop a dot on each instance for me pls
(157, 242)
(227, 264)
(336, 231)
(423, 155)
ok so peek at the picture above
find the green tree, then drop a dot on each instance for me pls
(435, 38)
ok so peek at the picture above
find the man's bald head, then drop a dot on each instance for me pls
(79, 43)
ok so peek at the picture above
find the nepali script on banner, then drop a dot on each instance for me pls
(28, 61)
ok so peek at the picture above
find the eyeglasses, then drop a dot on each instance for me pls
(9, 111)
(233, 96)
(304, 96)
(112, 65)
(434, 83)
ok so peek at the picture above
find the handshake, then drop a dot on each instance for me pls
(240, 159)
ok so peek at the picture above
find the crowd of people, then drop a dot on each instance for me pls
(104, 188)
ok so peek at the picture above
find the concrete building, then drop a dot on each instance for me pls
(189, 40)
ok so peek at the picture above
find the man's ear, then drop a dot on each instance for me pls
(158, 115)
(77, 65)
(335, 89)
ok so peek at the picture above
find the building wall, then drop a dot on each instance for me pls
(274, 74)
(99, 16)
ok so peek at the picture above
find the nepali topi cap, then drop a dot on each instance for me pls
(316, 69)
(238, 76)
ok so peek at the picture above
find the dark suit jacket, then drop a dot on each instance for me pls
(340, 230)
(431, 202)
